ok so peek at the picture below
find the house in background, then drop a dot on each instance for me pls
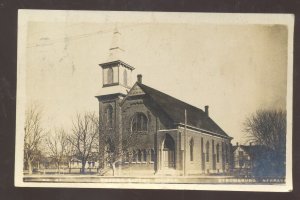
(242, 159)
(176, 138)
(252, 160)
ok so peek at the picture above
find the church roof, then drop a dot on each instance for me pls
(174, 108)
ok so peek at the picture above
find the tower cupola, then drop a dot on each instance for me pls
(116, 75)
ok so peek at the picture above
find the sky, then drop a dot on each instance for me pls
(236, 69)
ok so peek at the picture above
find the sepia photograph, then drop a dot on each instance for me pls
(154, 100)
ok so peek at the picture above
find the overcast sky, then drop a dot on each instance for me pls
(235, 69)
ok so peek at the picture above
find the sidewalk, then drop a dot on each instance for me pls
(123, 179)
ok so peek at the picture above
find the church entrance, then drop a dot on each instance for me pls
(168, 153)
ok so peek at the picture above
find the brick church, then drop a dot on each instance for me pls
(175, 138)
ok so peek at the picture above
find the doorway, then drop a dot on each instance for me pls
(168, 153)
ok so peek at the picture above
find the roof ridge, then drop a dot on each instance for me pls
(170, 96)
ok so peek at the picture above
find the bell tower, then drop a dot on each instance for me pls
(116, 81)
(116, 74)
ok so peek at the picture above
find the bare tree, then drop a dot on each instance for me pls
(33, 136)
(84, 136)
(70, 153)
(57, 144)
(116, 147)
(268, 128)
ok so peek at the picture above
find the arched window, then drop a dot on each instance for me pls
(110, 76)
(109, 116)
(218, 152)
(223, 153)
(139, 123)
(125, 77)
(227, 153)
(152, 155)
(139, 156)
(144, 155)
(191, 149)
(207, 151)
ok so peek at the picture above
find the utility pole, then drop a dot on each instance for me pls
(184, 152)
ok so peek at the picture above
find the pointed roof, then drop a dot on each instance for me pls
(115, 51)
(174, 108)
(253, 150)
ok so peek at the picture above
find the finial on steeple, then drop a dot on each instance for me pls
(115, 50)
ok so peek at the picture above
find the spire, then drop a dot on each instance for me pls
(115, 50)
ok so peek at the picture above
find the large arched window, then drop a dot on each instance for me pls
(125, 77)
(109, 116)
(110, 76)
(218, 152)
(207, 151)
(139, 123)
(191, 149)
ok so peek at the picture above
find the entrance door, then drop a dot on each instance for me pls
(169, 152)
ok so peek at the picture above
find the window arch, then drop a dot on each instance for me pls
(218, 152)
(139, 123)
(207, 151)
(110, 76)
(125, 77)
(192, 149)
(109, 116)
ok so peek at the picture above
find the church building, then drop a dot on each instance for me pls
(175, 138)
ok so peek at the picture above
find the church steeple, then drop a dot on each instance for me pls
(115, 51)
(116, 76)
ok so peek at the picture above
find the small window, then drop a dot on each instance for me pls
(241, 153)
(139, 123)
(191, 149)
(110, 76)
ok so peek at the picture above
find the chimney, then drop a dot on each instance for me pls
(250, 144)
(206, 111)
(237, 144)
(139, 78)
